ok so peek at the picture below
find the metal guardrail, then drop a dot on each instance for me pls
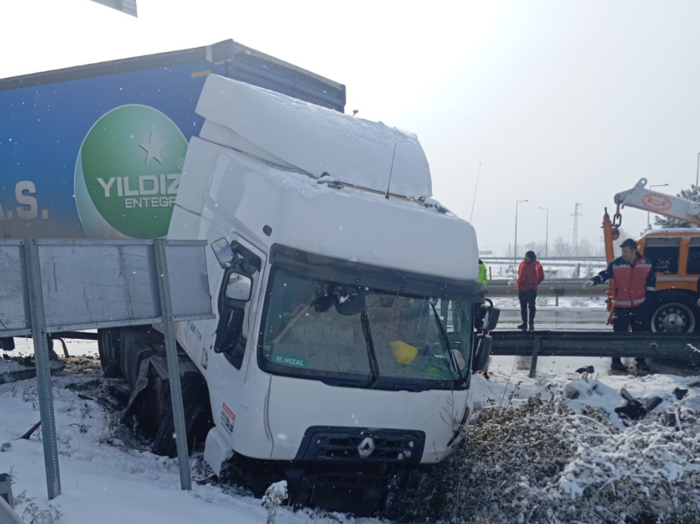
(547, 259)
(564, 287)
(682, 347)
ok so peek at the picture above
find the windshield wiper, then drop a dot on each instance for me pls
(373, 364)
(443, 331)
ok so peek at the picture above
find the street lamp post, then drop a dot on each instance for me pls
(515, 247)
(648, 213)
(697, 173)
(546, 233)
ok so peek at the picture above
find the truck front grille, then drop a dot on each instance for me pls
(361, 445)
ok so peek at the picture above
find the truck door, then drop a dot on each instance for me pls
(229, 357)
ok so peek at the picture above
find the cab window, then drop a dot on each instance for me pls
(694, 256)
(664, 253)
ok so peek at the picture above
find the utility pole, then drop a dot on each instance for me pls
(476, 188)
(576, 215)
(515, 246)
(546, 233)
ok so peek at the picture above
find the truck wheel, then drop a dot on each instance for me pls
(107, 347)
(673, 312)
(198, 420)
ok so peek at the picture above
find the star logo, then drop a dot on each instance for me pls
(152, 149)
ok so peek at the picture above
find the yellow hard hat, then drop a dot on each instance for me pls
(403, 353)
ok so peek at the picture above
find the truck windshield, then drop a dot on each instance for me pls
(362, 337)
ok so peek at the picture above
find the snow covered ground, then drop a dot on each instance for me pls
(542, 302)
(103, 480)
(106, 481)
(572, 314)
(553, 270)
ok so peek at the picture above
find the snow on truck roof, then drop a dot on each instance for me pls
(317, 140)
(341, 222)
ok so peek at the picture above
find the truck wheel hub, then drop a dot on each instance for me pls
(673, 318)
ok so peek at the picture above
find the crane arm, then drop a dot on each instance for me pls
(658, 203)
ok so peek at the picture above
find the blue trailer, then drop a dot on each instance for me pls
(96, 151)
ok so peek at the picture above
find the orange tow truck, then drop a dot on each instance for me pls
(675, 254)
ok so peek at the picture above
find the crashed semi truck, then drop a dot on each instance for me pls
(348, 314)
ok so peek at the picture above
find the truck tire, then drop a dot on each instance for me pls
(195, 400)
(107, 347)
(674, 311)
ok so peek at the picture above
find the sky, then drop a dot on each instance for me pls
(561, 102)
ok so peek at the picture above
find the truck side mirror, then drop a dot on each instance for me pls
(487, 317)
(491, 319)
(223, 252)
(482, 352)
(239, 287)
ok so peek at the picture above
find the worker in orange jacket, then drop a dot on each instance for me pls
(530, 276)
(635, 284)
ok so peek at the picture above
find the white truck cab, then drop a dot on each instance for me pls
(344, 295)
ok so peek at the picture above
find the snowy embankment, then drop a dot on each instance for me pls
(570, 448)
(104, 477)
(567, 455)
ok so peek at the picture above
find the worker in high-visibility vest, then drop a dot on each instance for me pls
(483, 274)
(635, 284)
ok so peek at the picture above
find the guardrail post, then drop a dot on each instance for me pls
(43, 368)
(173, 365)
(6, 488)
(8, 515)
(535, 354)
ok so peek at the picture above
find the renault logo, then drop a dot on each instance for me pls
(366, 447)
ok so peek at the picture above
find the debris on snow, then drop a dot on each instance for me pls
(542, 461)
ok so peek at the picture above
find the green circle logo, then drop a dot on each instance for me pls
(128, 172)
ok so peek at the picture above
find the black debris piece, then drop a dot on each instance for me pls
(680, 393)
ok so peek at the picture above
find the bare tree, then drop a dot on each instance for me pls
(561, 248)
(586, 248)
(538, 248)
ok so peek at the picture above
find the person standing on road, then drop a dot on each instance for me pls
(483, 275)
(530, 276)
(635, 282)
